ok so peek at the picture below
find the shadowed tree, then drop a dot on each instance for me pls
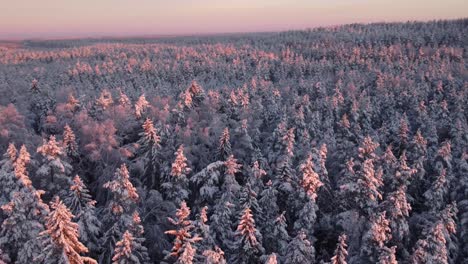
(300, 250)
(149, 149)
(7, 175)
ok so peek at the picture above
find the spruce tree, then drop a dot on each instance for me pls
(431, 249)
(184, 239)
(202, 228)
(197, 93)
(124, 195)
(25, 218)
(436, 196)
(256, 177)
(221, 222)
(149, 148)
(378, 234)
(82, 206)
(462, 169)
(70, 146)
(365, 181)
(248, 199)
(310, 182)
(208, 182)
(224, 147)
(398, 209)
(176, 187)
(65, 246)
(20, 165)
(7, 175)
(279, 238)
(230, 186)
(24, 215)
(54, 172)
(118, 211)
(247, 240)
(141, 105)
(129, 251)
(137, 230)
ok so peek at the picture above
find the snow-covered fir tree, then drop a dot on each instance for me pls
(208, 180)
(176, 186)
(118, 211)
(149, 145)
(54, 172)
(224, 147)
(366, 179)
(70, 146)
(184, 239)
(129, 251)
(141, 105)
(202, 229)
(376, 237)
(64, 234)
(7, 175)
(82, 206)
(25, 219)
(247, 243)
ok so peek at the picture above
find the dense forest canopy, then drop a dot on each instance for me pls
(345, 144)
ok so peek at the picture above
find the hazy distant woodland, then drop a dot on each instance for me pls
(344, 144)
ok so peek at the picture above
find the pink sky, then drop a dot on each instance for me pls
(82, 18)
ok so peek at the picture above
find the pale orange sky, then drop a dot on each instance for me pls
(83, 18)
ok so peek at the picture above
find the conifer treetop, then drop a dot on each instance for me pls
(11, 152)
(246, 227)
(50, 149)
(123, 248)
(182, 234)
(310, 179)
(122, 188)
(232, 167)
(141, 105)
(150, 132)
(20, 167)
(180, 166)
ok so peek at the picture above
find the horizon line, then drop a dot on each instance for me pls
(107, 36)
